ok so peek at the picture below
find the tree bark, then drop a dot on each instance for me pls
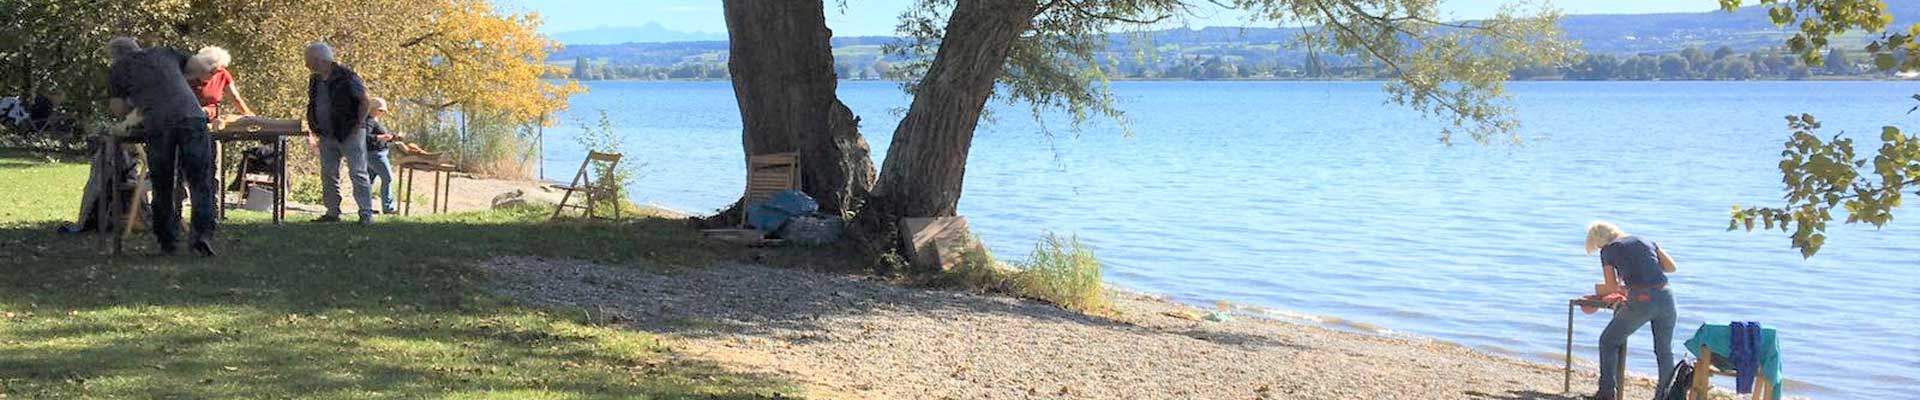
(780, 54)
(926, 164)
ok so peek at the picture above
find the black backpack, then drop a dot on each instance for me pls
(1682, 381)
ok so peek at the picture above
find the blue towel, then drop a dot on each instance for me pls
(1746, 349)
(1751, 367)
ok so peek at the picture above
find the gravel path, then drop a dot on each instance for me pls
(847, 337)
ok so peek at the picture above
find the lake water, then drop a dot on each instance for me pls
(1316, 201)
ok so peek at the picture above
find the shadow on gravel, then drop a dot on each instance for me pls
(1521, 395)
(791, 305)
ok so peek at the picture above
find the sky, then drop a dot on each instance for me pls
(877, 17)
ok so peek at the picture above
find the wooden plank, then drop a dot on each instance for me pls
(939, 243)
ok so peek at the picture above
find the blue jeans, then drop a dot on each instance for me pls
(353, 150)
(382, 178)
(184, 141)
(1658, 309)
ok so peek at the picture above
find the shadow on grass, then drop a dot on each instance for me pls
(335, 311)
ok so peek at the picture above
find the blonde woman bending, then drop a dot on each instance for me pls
(1637, 268)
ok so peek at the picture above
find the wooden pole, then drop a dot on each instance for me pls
(1566, 384)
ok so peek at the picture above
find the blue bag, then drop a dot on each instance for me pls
(770, 215)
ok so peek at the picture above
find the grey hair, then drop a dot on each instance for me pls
(215, 56)
(320, 50)
(122, 46)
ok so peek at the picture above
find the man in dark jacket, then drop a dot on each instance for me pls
(337, 109)
(152, 82)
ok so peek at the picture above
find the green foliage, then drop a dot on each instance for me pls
(1062, 271)
(1822, 174)
(978, 271)
(1817, 21)
(58, 45)
(1451, 70)
(604, 137)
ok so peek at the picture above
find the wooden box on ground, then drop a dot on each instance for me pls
(939, 243)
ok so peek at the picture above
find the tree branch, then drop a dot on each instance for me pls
(1078, 9)
(1395, 66)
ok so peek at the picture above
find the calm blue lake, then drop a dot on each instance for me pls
(1315, 200)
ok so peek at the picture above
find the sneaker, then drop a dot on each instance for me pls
(203, 248)
(366, 220)
(325, 219)
(168, 249)
(390, 211)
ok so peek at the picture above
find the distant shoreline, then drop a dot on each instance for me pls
(1811, 79)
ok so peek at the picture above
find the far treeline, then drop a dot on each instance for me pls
(1691, 63)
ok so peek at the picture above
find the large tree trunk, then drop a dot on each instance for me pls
(781, 59)
(927, 162)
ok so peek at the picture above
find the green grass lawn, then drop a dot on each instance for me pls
(323, 311)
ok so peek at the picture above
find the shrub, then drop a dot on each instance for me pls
(605, 138)
(1064, 272)
(1061, 271)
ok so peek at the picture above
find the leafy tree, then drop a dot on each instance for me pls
(1738, 69)
(1821, 174)
(1675, 67)
(1837, 63)
(48, 45)
(1695, 59)
(432, 53)
(1722, 53)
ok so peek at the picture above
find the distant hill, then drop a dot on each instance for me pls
(1745, 31)
(652, 32)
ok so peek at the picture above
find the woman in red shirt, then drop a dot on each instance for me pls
(207, 74)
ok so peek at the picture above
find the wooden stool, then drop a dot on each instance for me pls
(1762, 388)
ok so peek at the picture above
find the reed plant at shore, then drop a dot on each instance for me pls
(1060, 271)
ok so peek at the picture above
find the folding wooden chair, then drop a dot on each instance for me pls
(583, 182)
(767, 175)
(1704, 370)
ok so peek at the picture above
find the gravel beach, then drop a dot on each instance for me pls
(848, 337)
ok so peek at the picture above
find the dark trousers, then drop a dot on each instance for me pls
(184, 142)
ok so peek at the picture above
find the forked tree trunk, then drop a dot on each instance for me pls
(781, 58)
(926, 164)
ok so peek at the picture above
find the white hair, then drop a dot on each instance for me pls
(123, 46)
(378, 103)
(215, 56)
(321, 51)
(1600, 233)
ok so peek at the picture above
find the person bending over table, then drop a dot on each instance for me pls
(337, 109)
(211, 82)
(1642, 267)
(152, 82)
